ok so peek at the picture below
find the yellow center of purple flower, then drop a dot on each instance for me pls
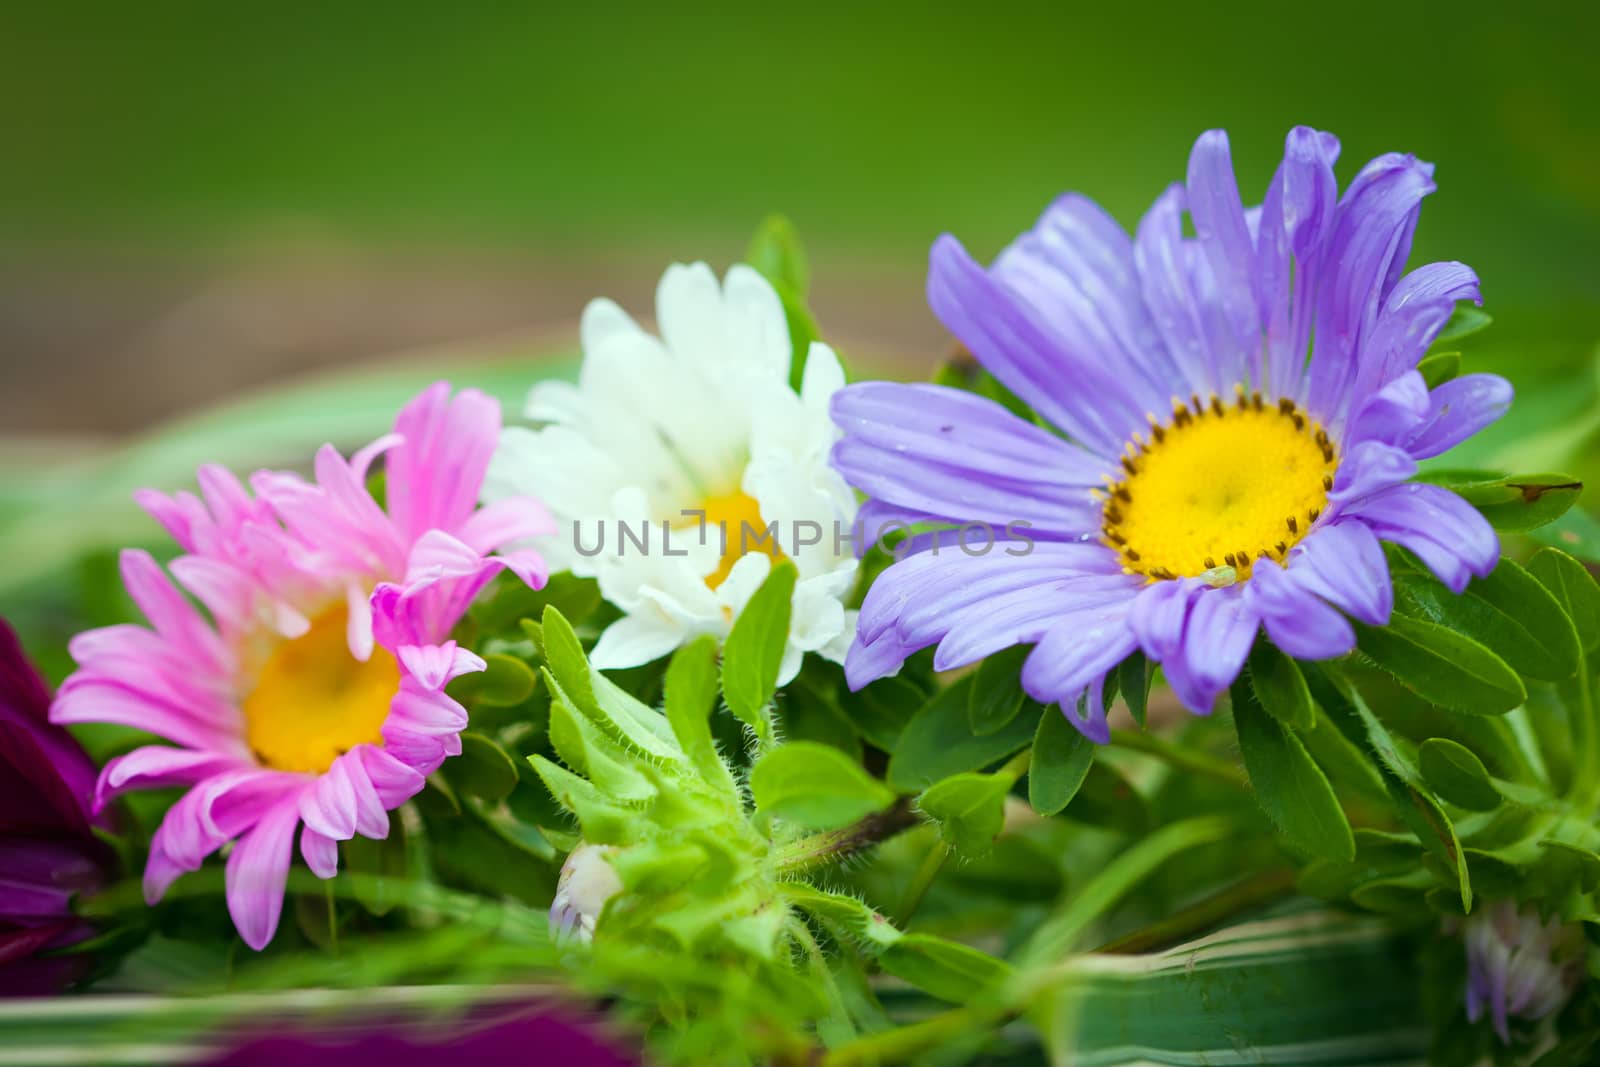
(1217, 487)
(314, 701)
(735, 518)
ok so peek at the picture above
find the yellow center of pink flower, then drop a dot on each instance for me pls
(1218, 487)
(314, 701)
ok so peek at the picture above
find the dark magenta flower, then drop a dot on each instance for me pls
(547, 1037)
(1236, 419)
(48, 851)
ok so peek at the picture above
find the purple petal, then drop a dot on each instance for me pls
(1079, 648)
(1222, 234)
(1078, 261)
(1091, 723)
(1392, 414)
(1372, 222)
(1411, 318)
(1159, 615)
(1449, 535)
(1222, 627)
(1165, 277)
(1458, 409)
(1295, 216)
(1299, 622)
(1074, 390)
(1367, 468)
(1344, 564)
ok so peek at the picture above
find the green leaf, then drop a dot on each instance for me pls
(1280, 687)
(1288, 784)
(1441, 666)
(1133, 682)
(504, 683)
(855, 917)
(753, 654)
(509, 601)
(483, 769)
(775, 251)
(1061, 760)
(474, 852)
(1510, 612)
(564, 653)
(1455, 773)
(881, 710)
(815, 786)
(1574, 588)
(1465, 321)
(691, 694)
(944, 969)
(380, 867)
(938, 742)
(1440, 368)
(1109, 800)
(1412, 799)
(969, 810)
(1576, 533)
(997, 695)
(1516, 503)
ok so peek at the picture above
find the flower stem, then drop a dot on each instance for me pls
(1183, 758)
(820, 850)
(1206, 913)
(931, 865)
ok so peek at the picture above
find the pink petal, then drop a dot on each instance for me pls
(258, 871)
(436, 474)
(156, 767)
(505, 521)
(321, 853)
(329, 806)
(394, 781)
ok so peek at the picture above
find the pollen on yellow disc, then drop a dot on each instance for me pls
(314, 701)
(733, 520)
(1219, 486)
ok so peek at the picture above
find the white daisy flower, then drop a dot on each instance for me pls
(679, 468)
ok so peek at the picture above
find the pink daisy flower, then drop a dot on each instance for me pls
(313, 697)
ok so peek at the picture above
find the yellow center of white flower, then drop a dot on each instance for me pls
(735, 518)
(314, 701)
(1217, 487)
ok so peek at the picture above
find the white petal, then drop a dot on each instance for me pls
(635, 640)
(757, 331)
(690, 315)
(823, 377)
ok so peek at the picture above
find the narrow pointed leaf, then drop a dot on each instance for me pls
(1442, 666)
(753, 654)
(1288, 784)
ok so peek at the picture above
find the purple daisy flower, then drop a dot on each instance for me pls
(1239, 412)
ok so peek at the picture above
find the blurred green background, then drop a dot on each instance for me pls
(199, 200)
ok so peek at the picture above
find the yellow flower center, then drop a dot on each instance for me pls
(1217, 487)
(314, 701)
(734, 521)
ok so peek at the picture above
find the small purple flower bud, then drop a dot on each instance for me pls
(1519, 965)
(586, 883)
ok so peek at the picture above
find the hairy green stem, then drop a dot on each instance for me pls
(820, 850)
